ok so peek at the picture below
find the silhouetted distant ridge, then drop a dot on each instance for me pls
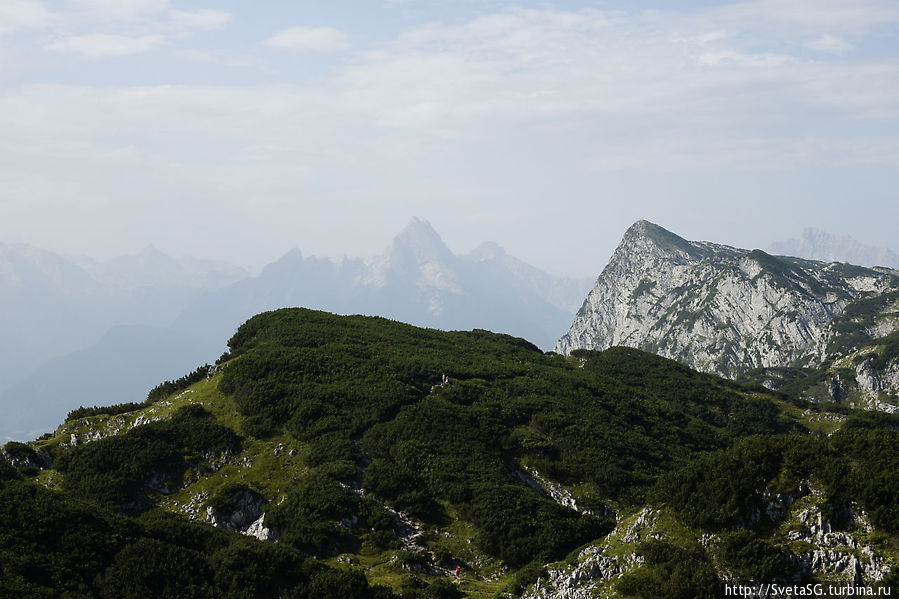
(816, 244)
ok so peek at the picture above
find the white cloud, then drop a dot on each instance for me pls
(509, 104)
(309, 39)
(702, 38)
(127, 27)
(635, 83)
(22, 14)
(196, 55)
(201, 19)
(807, 16)
(829, 44)
(121, 9)
(101, 45)
(765, 60)
(612, 90)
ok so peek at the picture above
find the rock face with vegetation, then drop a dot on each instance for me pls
(731, 311)
(326, 457)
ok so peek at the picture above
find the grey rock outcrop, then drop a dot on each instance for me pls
(871, 386)
(19, 455)
(259, 530)
(556, 492)
(837, 553)
(717, 308)
(244, 515)
(596, 565)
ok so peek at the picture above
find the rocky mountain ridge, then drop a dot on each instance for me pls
(727, 311)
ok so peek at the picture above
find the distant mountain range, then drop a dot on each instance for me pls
(151, 268)
(52, 305)
(115, 329)
(329, 456)
(815, 244)
(826, 330)
(82, 332)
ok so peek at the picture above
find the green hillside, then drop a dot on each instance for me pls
(370, 477)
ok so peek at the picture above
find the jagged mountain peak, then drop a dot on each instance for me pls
(416, 257)
(420, 239)
(716, 308)
(644, 233)
(291, 259)
(488, 251)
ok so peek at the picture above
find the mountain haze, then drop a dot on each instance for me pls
(150, 268)
(815, 244)
(48, 308)
(53, 305)
(417, 279)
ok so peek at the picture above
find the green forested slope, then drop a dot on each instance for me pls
(331, 423)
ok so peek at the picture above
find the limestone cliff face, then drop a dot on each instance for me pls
(717, 308)
(868, 379)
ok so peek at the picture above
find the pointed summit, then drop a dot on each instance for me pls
(290, 262)
(418, 256)
(643, 232)
(419, 243)
(420, 235)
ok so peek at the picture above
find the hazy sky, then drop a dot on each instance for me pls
(239, 130)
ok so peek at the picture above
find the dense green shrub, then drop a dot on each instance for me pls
(749, 558)
(613, 420)
(151, 568)
(721, 488)
(53, 545)
(365, 395)
(673, 572)
(166, 388)
(118, 470)
(317, 516)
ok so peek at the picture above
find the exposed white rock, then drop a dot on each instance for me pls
(871, 387)
(76, 439)
(645, 519)
(532, 478)
(581, 581)
(716, 308)
(34, 459)
(145, 418)
(259, 530)
(246, 516)
(832, 553)
(595, 566)
(837, 553)
(874, 384)
(194, 506)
